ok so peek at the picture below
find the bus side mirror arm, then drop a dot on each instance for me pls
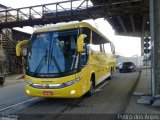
(19, 45)
(80, 42)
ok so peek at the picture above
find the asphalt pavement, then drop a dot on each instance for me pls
(110, 99)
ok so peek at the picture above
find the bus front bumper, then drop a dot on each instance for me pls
(73, 91)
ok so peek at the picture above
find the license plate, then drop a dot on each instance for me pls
(47, 93)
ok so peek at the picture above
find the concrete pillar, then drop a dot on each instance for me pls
(155, 47)
(142, 45)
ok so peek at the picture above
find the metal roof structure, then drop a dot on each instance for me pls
(3, 6)
(127, 17)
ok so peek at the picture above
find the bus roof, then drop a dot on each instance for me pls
(69, 26)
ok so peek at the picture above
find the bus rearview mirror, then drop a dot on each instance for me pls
(19, 45)
(80, 42)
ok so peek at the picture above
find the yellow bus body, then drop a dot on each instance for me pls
(99, 64)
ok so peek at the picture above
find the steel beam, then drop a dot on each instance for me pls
(58, 12)
(155, 47)
(144, 20)
(122, 23)
(132, 23)
(142, 45)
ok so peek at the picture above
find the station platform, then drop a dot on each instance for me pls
(143, 89)
(13, 79)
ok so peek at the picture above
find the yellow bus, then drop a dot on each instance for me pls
(67, 61)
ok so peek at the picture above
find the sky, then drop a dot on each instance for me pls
(125, 46)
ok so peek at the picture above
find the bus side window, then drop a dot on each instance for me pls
(85, 53)
(107, 47)
(95, 45)
(102, 48)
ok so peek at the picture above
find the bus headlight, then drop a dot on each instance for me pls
(69, 83)
(29, 83)
(27, 91)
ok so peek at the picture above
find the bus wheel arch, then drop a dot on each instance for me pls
(93, 79)
(111, 73)
(92, 85)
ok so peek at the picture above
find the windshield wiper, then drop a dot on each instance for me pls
(56, 64)
(52, 58)
(39, 67)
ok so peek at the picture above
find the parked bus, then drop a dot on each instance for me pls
(67, 61)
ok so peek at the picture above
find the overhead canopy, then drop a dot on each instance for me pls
(127, 17)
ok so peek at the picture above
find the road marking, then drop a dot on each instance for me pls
(17, 104)
(100, 87)
(103, 84)
(138, 93)
(96, 90)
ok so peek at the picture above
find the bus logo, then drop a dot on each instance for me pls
(46, 86)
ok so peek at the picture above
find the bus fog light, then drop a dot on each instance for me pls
(72, 92)
(27, 91)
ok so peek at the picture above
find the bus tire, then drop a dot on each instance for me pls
(1, 83)
(91, 91)
(111, 74)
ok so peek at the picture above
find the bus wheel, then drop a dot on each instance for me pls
(111, 74)
(91, 91)
(1, 83)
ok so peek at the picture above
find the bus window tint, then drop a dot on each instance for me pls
(95, 46)
(85, 53)
(107, 47)
(52, 52)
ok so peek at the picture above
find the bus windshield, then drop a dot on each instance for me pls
(52, 52)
